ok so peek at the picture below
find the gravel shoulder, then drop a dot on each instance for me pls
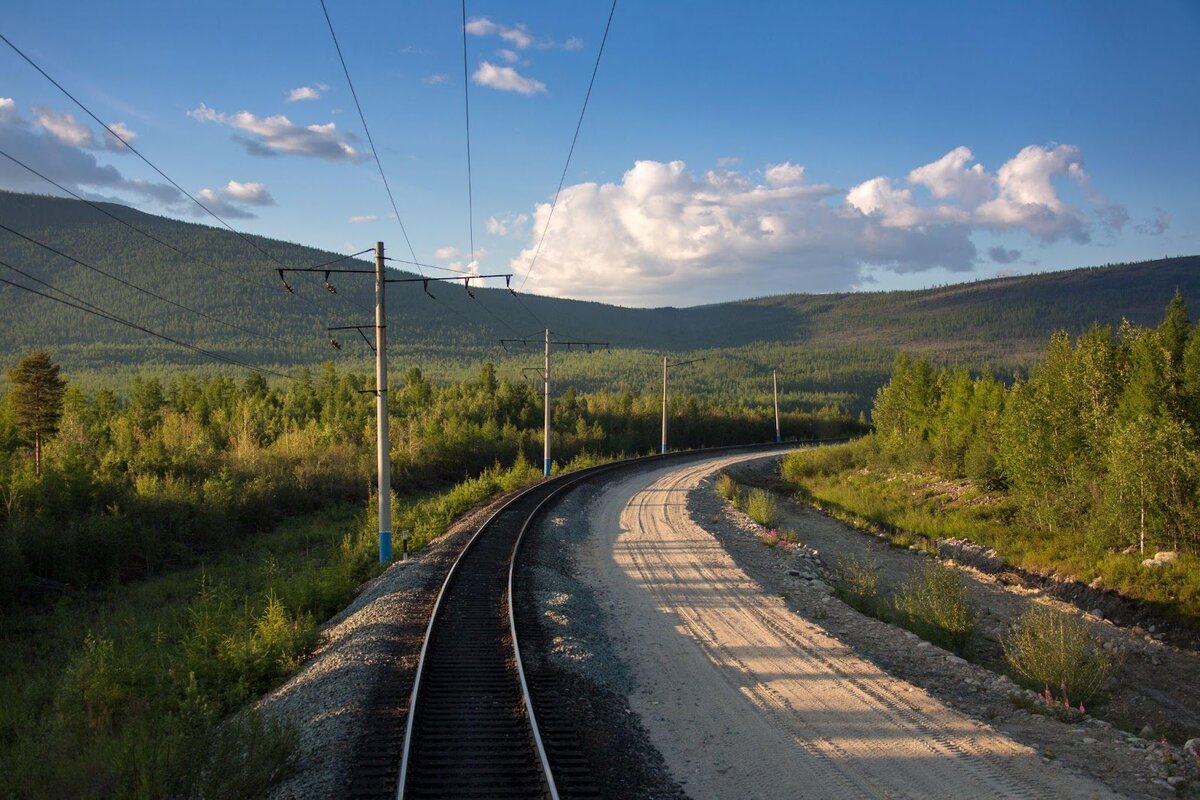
(368, 651)
(1158, 684)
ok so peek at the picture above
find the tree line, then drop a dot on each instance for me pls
(1101, 441)
(105, 488)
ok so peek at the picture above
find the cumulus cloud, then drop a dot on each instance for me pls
(509, 56)
(783, 174)
(437, 79)
(950, 176)
(516, 35)
(220, 205)
(360, 219)
(64, 127)
(1002, 255)
(506, 79)
(507, 224)
(306, 93)
(446, 253)
(662, 230)
(58, 147)
(253, 193)
(1027, 198)
(728, 161)
(275, 135)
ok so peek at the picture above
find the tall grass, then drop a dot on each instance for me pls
(934, 605)
(762, 508)
(1048, 650)
(853, 483)
(135, 692)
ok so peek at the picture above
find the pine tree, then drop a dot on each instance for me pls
(36, 400)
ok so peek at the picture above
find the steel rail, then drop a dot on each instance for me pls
(562, 483)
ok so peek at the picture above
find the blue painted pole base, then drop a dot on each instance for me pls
(385, 547)
(663, 451)
(546, 469)
(778, 439)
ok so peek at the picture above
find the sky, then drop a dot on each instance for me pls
(728, 150)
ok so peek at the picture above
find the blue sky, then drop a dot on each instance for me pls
(729, 150)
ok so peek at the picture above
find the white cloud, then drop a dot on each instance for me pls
(124, 131)
(507, 224)
(1028, 200)
(219, 205)
(252, 193)
(303, 93)
(358, 220)
(506, 79)
(49, 143)
(728, 161)
(437, 79)
(783, 174)
(949, 176)
(64, 127)
(277, 134)
(509, 56)
(661, 231)
(516, 35)
(446, 253)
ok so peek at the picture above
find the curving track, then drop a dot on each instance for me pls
(472, 729)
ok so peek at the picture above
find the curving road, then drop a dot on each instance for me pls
(747, 699)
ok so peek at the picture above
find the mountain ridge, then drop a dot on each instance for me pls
(838, 344)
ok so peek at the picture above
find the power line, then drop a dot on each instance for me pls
(146, 160)
(571, 152)
(467, 109)
(130, 225)
(367, 130)
(134, 286)
(96, 311)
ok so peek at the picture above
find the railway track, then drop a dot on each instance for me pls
(472, 729)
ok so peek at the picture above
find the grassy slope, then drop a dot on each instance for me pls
(848, 482)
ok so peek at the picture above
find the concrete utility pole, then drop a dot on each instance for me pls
(664, 420)
(775, 383)
(546, 341)
(664, 409)
(382, 441)
(546, 409)
(382, 447)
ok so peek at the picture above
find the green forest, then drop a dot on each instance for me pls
(1090, 464)
(829, 348)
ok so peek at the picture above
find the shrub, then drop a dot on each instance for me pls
(856, 581)
(727, 488)
(770, 538)
(760, 505)
(1046, 649)
(933, 604)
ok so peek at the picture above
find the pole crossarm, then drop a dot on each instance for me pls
(360, 328)
(689, 361)
(526, 342)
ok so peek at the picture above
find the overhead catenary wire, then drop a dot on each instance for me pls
(146, 160)
(467, 110)
(562, 179)
(135, 287)
(371, 142)
(94, 310)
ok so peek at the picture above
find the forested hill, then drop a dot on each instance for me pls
(835, 343)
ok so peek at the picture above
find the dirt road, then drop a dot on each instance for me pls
(746, 699)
